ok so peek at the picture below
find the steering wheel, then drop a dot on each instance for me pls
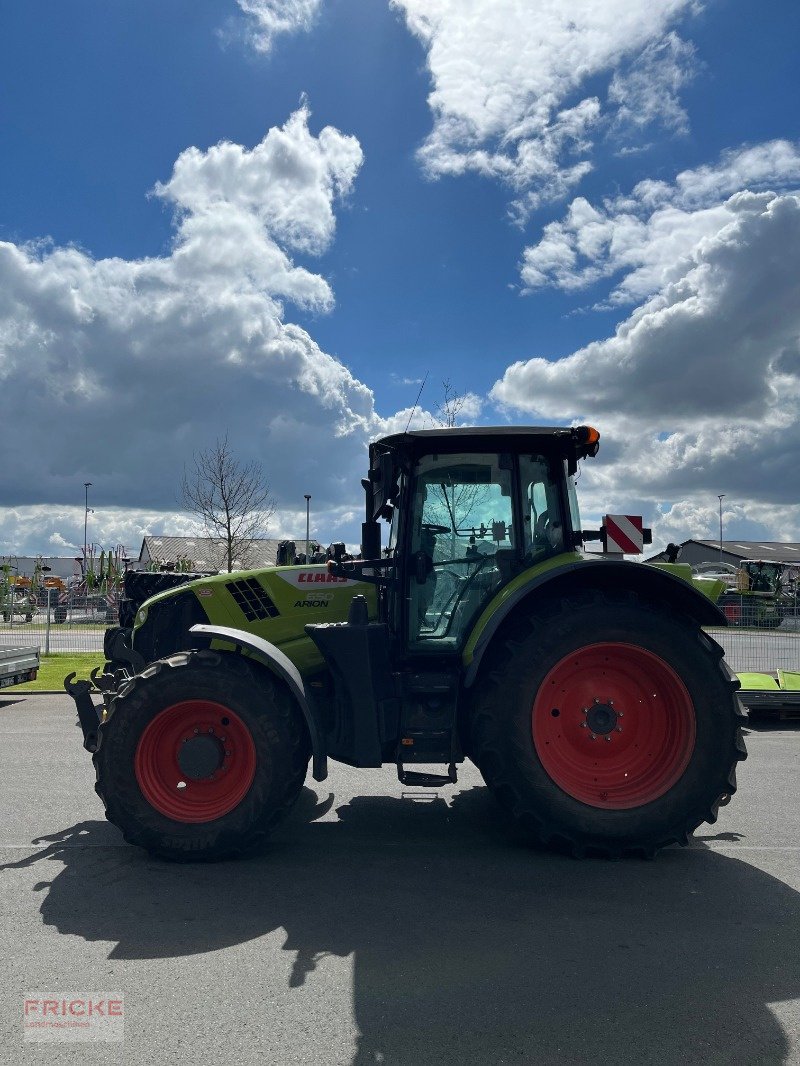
(431, 527)
(541, 532)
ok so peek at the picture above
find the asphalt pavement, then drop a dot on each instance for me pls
(395, 926)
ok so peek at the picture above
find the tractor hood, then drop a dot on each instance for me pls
(275, 604)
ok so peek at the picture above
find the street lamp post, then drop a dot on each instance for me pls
(87, 485)
(308, 523)
(45, 569)
(720, 497)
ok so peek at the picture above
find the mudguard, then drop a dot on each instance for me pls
(560, 578)
(282, 666)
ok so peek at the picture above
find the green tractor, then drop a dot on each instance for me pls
(758, 599)
(598, 711)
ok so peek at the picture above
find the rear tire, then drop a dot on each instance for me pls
(611, 726)
(215, 706)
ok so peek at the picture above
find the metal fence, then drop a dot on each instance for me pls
(80, 632)
(762, 650)
(765, 650)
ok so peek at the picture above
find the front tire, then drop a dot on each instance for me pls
(200, 757)
(610, 726)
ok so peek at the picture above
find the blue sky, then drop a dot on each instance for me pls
(447, 232)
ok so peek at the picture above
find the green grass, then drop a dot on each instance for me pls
(54, 668)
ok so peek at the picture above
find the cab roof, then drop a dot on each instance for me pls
(580, 440)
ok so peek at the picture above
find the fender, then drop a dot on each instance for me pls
(281, 665)
(563, 577)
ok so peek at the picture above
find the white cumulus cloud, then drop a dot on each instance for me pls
(649, 90)
(268, 19)
(697, 390)
(132, 365)
(645, 235)
(510, 96)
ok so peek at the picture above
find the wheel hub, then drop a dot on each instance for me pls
(200, 756)
(602, 719)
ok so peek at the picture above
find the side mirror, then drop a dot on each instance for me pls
(370, 540)
(383, 479)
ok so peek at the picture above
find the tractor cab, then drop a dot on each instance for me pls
(760, 575)
(468, 510)
(757, 599)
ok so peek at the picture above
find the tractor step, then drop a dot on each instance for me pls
(414, 777)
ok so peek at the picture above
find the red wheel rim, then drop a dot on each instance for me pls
(613, 726)
(195, 761)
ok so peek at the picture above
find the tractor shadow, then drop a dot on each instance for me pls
(772, 725)
(467, 945)
(9, 701)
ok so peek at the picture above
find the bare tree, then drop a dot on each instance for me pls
(456, 503)
(231, 498)
(450, 407)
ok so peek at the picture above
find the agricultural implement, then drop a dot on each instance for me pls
(598, 711)
(15, 597)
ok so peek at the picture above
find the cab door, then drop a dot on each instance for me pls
(462, 544)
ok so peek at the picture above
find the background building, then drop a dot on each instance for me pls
(734, 551)
(64, 567)
(208, 553)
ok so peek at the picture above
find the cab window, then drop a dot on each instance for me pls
(542, 508)
(462, 543)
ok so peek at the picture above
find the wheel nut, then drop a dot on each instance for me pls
(608, 739)
(593, 736)
(196, 732)
(584, 725)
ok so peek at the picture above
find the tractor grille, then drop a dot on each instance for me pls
(252, 599)
(167, 627)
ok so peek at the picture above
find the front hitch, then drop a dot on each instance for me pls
(89, 715)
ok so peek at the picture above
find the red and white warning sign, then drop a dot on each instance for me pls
(624, 533)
